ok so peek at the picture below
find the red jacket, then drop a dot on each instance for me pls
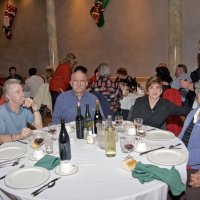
(61, 78)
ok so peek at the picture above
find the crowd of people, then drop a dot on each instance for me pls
(69, 84)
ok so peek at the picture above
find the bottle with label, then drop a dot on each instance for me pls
(110, 138)
(64, 142)
(97, 117)
(79, 123)
(88, 122)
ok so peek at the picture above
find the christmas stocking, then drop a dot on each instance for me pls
(97, 11)
(9, 15)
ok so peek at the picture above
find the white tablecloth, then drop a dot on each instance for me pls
(98, 177)
(128, 101)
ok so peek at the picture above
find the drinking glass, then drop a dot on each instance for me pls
(138, 123)
(52, 128)
(36, 141)
(127, 145)
(119, 123)
(141, 132)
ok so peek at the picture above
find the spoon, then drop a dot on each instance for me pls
(173, 146)
(44, 187)
(50, 185)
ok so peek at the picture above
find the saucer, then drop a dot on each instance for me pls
(74, 170)
(30, 157)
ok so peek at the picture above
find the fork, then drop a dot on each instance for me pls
(10, 164)
(23, 165)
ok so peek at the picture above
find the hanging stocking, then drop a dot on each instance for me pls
(9, 15)
(97, 11)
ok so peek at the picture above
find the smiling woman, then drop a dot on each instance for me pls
(152, 107)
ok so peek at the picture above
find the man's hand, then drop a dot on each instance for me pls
(25, 133)
(195, 179)
(30, 103)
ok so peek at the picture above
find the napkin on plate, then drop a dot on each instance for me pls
(49, 162)
(148, 172)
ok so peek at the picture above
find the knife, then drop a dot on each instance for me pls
(36, 191)
(145, 152)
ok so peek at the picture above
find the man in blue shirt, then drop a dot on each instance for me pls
(16, 113)
(181, 74)
(66, 103)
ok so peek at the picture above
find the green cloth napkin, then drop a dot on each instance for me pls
(147, 173)
(49, 162)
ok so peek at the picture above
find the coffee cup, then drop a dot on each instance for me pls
(65, 167)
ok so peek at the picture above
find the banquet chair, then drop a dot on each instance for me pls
(43, 99)
(104, 103)
(174, 123)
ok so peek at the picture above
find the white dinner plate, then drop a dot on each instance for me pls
(74, 170)
(11, 152)
(167, 157)
(159, 135)
(28, 177)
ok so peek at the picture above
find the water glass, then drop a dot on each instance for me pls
(48, 145)
(138, 123)
(119, 123)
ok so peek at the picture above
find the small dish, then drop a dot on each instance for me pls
(31, 157)
(141, 147)
(73, 171)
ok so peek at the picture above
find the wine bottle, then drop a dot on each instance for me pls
(97, 117)
(79, 123)
(110, 142)
(64, 142)
(88, 122)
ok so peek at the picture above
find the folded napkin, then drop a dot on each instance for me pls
(49, 162)
(147, 173)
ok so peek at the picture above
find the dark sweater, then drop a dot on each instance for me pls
(155, 117)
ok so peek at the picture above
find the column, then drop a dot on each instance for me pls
(51, 30)
(174, 34)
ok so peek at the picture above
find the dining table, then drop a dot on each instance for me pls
(129, 100)
(97, 176)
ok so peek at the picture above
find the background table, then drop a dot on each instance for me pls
(98, 177)
(129, 100)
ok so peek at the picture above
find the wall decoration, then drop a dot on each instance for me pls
(97, 11)
(9, 15)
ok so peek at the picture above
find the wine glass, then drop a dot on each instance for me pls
(36, 141)
(127, 145)
(52, 129)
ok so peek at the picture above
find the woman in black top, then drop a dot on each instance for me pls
(152, 108)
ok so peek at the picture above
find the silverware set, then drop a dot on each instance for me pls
(170, 147)
(44, 187)
(12, 162)
(2, 177)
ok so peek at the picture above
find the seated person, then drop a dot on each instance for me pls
(181, 74)
(16, 113)
(190, 137)
(163, 73)
(94, 78)
(152, 107)
(123, 79)
(108, 88)
(33, 83)
(66, 103)
(14, 75)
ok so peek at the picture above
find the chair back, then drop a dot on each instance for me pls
(174, 123)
